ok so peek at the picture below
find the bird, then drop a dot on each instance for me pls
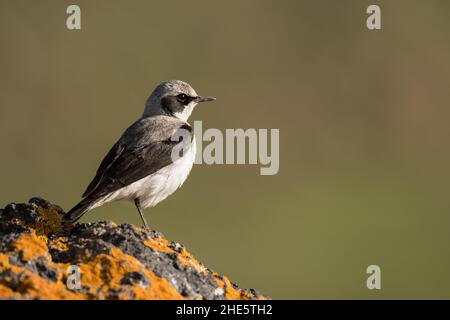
(151, 159)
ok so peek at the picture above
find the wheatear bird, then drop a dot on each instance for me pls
(141, 166)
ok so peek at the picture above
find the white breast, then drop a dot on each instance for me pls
(156, 187)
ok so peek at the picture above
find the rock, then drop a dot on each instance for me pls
(40, 258)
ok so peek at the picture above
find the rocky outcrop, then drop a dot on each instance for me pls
(40, 258)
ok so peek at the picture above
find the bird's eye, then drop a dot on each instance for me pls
(182, 97)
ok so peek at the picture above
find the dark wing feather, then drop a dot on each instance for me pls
(125, 163)
(109, 159)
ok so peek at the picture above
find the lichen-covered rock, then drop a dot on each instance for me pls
(40, 258)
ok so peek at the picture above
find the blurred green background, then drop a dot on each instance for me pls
(363, 118)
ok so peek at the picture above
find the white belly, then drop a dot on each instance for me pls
(156, 187)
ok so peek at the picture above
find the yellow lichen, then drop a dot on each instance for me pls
(60, 243)
(51, 222)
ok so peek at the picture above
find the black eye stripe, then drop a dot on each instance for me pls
(184, 99)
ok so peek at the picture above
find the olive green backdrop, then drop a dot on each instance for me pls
(363, 117)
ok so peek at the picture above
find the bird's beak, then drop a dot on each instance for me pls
(204, 99)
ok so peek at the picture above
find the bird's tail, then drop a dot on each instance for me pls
(79, 210)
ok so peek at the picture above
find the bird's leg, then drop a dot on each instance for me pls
(138, 207)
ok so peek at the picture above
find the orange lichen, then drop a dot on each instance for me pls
(187, 259)
(30, 246)
(114, 267)
(230, 292)
(159, 244)
(102, 273)
(184, 257)
(33, 285)
(99, 275)
(7, 292)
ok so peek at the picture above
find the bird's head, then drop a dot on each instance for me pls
(173, 98)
